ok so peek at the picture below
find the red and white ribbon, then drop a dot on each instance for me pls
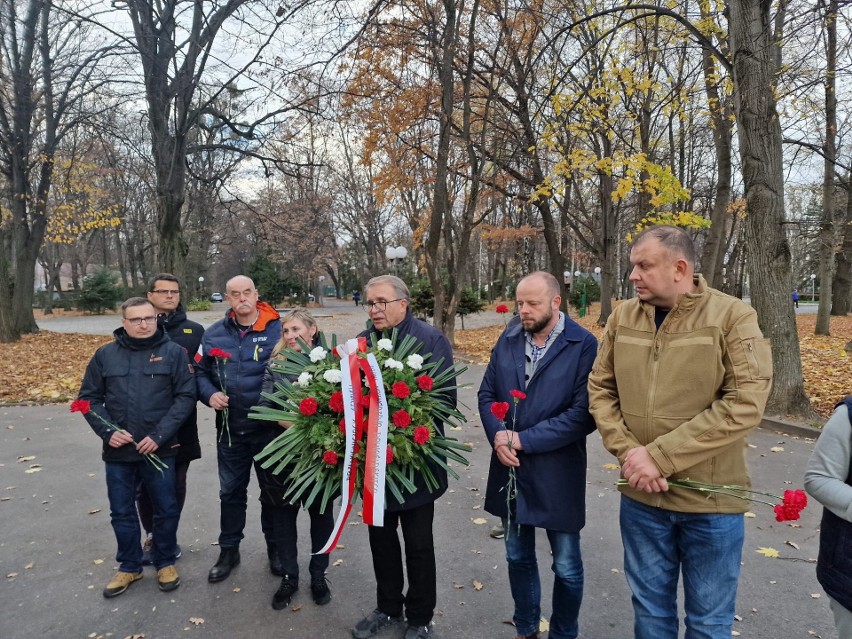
(376, 426)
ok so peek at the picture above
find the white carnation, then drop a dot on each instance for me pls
(304, 379)
(317, 354)
(392, 363)
(332, 376)
(385, 345)
(415, 362)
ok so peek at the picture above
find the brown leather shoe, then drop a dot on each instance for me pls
(167, 578)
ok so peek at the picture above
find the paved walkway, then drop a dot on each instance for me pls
(57, 549)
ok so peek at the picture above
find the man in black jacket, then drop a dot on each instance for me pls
(136, 393)
(386, 300)
(165, 296)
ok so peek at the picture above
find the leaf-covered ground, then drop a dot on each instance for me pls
(48, 367)
(824, 361)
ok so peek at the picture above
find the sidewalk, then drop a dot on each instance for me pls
(57, 551)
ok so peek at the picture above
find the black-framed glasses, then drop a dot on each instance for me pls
(166, 291)
(379, 306)
(136, 321)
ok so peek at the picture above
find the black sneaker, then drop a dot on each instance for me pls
(319, 590)
(281, 598)
(418, 632)
(178, 551)
(372, 623)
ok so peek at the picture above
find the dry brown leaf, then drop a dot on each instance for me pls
(296, 607)
(611, 466)
(793, 544)
(196, 620)
(479, 521)
(477, 585)
(776, 449)
(25, 458)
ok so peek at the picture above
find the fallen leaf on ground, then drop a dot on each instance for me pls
(479, 521)
(477, 585)
(793, 544)
(611, 466)
(776, 449)
(25, 458)
(196, 620)
(767, 552)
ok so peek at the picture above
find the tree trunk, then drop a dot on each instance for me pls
(759, 136)
(826, 229)
(842, 285)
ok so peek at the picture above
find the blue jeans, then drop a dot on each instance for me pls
(235, 462)
(526, 585)
(705, 547)
(122, 480)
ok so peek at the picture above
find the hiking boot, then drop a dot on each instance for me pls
(418, 632)
(319, 590)
(167, 579)
(148, 550)
(120, 582)
(228, 559)
(281, 598)
(372, 623)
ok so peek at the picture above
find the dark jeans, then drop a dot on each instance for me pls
(235, 462)
(524, 581)
(284, 523)
(122, 480)
(421, 597)
(143, 500)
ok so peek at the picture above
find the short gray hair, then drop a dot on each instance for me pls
(399, 287)
(134, 301)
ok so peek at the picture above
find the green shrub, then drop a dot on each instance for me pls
(198, 305)
(100, 292)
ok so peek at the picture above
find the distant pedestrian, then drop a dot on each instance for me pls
(829, 480)
(356, 296)
(795, 298)
(137, 392)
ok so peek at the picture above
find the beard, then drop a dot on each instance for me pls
(536, 326)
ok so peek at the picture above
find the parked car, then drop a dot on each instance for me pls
(216, 297)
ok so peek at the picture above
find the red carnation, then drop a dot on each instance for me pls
(357, 448)
(795, 499)
(502, 309)
(786, 513)
(422, 435)
(424, 382)
(80, 406)
(308, 406)
(401, 418)
(518, 395)
(400, 390)
(218, 352)
(335, 403)
(389, 456)
(342, 425)
(365, 401)
(330, 457)
(499, 410)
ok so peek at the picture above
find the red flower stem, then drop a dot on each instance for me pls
(715, 489)
(151, 458)
(223, 378)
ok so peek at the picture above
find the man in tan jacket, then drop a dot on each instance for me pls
(681, 377)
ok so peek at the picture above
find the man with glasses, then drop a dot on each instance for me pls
(231, 386)
(164, 295)
(386, 300)
(140, 389)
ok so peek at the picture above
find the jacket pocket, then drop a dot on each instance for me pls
(757, 351)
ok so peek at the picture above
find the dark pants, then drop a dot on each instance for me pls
(235, 462)
(421, 598)
(146, 507)
(284, 523)
(122, 480)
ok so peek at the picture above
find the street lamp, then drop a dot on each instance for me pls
(200, 285)
(396, 256)
(813, 287)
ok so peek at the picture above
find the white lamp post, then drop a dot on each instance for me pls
(396, 256)
(813, 287)
(200, 285)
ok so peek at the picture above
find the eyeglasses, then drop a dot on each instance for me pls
(166, 291)
(136, 321)
(379, 306)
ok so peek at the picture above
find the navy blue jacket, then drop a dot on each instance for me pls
(184, 332)
(553, 423)
(242, 374)
(436, 344)
(144, 386)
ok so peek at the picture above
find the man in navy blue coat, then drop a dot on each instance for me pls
(548, 358)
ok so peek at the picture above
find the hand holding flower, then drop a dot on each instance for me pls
(120, 438)
(642, 473)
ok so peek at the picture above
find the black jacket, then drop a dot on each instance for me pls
(435, 346)
(146, 387)
(188, 334)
